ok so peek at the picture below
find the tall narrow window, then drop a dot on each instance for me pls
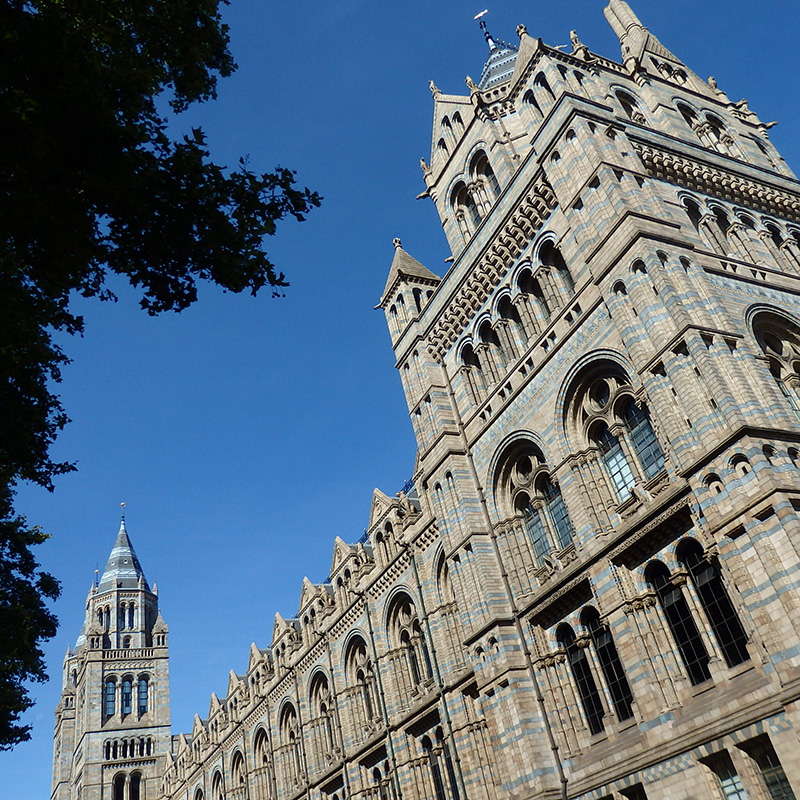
(448, 763)
(118, 787)
(584, 681)
(615, 461)
(613, 672)
(554, 503)
(127, 696)
(644, 441)
(435, 768)
(111, 698)
(716, 604)
(772, 773)
(729, 780)
(143, 695)
(135, 790)
(536, 532)
(681, 624)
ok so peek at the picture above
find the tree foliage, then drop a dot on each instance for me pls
(91, 184)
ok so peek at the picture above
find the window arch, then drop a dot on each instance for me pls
(620, 430)
(630, 106)
(262, 759)
(118, 786)
(679, 619)
(551, 257)
(143, 694)
(610, 664)
(135, 787)
(530, 103)
(481, 170)
(217, 787)
(543, 93)
(510, 315)
(465, 209)
(779, 340)
(126, 704)
(582, 675)
(322, 708)
(110, 697)
(532, 291)
(524, 484)
(290, 741)
(238, 772)
(360, 674)
(406, 631)
(717, 606)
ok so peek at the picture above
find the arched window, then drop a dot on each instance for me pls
(118, 786)
(543, 93)
(322, 708)
(643, 440)
(525, 484)
(435, 769)
(360, 674)
(779, 340)
(530, 103)
(689, 115)
(465, 209)
(488, 336)
(111, 697)
(614, 460)
(238, 773)
(263, 762)
(482, 171)
(290, 741)
(582, 675)
(458, 123)
(508, 312)
(142, 694)
(680, 621)
(552, 259)
(621, 431)
(135, 789)
(611, 666)
(717, 606)
(532, 291)
(217, 787)
(407, 632)
(127, 695)
(630, 107)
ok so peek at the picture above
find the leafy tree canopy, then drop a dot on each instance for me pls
(91, 183)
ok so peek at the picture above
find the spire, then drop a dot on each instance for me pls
(488, 36)
(499, 67)
(404, 265)
(123, 568)
(634, 38)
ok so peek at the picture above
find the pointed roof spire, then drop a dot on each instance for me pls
(500, 64)
(488, 36)
(123, 568)
(405, 265)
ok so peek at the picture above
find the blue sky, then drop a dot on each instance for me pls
(245, 434)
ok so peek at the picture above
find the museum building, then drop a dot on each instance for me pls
(589, 589)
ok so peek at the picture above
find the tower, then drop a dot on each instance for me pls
(112, 728)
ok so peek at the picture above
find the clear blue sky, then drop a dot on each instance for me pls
(245, 434)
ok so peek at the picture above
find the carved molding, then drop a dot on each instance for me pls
(718, 183)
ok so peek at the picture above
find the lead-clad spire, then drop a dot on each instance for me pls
(123, 569)
(500, 64)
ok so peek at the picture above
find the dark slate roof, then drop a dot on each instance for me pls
(404, 264)
(123, 568)
(499, 67)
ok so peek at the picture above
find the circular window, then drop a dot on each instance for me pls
(600, 394)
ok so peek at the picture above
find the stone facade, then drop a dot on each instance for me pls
(112, 731)
(589, 590)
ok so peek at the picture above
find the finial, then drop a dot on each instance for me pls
(435, 90)
(522, 30)
(96, 577)
(397, 243)
(471, 85)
